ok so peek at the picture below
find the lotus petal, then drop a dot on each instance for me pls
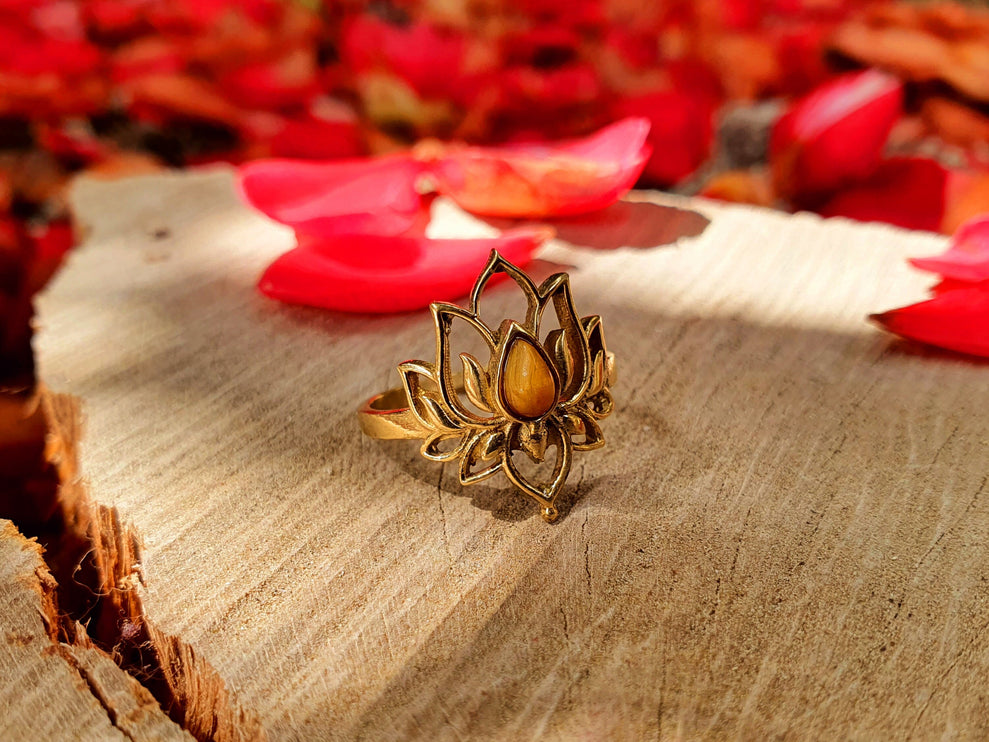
(445, 316)
(497, 265)
(956, 319)
(482, 447)
(967, 257)
(537, 180)
(426, 403)
(836, 134)
(369, 197)
(569, 343)
(378, 274)
(543, 491)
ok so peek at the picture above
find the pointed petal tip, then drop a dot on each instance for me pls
(956, 319)
(967, 256)
(632, 130)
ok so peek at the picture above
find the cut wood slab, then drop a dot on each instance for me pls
(787, 533)
(52, 690)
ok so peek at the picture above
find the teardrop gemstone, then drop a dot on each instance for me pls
(528, 387)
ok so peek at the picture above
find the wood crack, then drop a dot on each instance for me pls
(94, 564)
(439, 501)
(587, 554)
(94, 689)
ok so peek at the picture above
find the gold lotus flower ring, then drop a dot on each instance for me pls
(530, 397)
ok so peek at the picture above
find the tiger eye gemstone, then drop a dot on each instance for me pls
(527, 384)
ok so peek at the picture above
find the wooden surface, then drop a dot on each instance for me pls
(53, 690)
(786, 535)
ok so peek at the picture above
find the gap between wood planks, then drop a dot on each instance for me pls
(91, 597)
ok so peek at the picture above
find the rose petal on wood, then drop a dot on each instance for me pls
(536, 180)
(967, 257)
(956, 320)
(377, 274)
(335, 198)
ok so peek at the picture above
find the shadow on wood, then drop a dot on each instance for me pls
(633, 224)
(784, 535)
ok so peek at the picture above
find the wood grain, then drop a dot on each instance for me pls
(52, 690)
(786, 535)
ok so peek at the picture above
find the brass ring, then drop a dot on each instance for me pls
(530, 397)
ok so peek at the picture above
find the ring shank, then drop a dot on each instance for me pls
(387, 416)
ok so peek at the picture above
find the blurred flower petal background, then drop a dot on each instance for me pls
(876, 110)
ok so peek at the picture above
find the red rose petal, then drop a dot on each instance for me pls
(909, 192)
(72, 146)
(967, 257)
(379, 275)
(536, 180)
(281, 83)
(836, 134)
(347, 197)
(681, 130)
(50, 245)
(957, 320)
(425, 56)
(948, 284)
(304, 137)
(539, 92)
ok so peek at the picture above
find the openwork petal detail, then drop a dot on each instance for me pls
(426, 401)
(484, 446)
(443, 317)
(431, 450)
(522, 408)
(543, 492)
(571, 342)
(601, 366)
(580, 423)
(477, 383)
(497, 264)
(601, 404)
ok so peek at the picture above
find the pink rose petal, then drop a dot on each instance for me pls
(967, 257)
(378, 275)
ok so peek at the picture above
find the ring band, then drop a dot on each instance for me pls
(389, 416)
(530, 397)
